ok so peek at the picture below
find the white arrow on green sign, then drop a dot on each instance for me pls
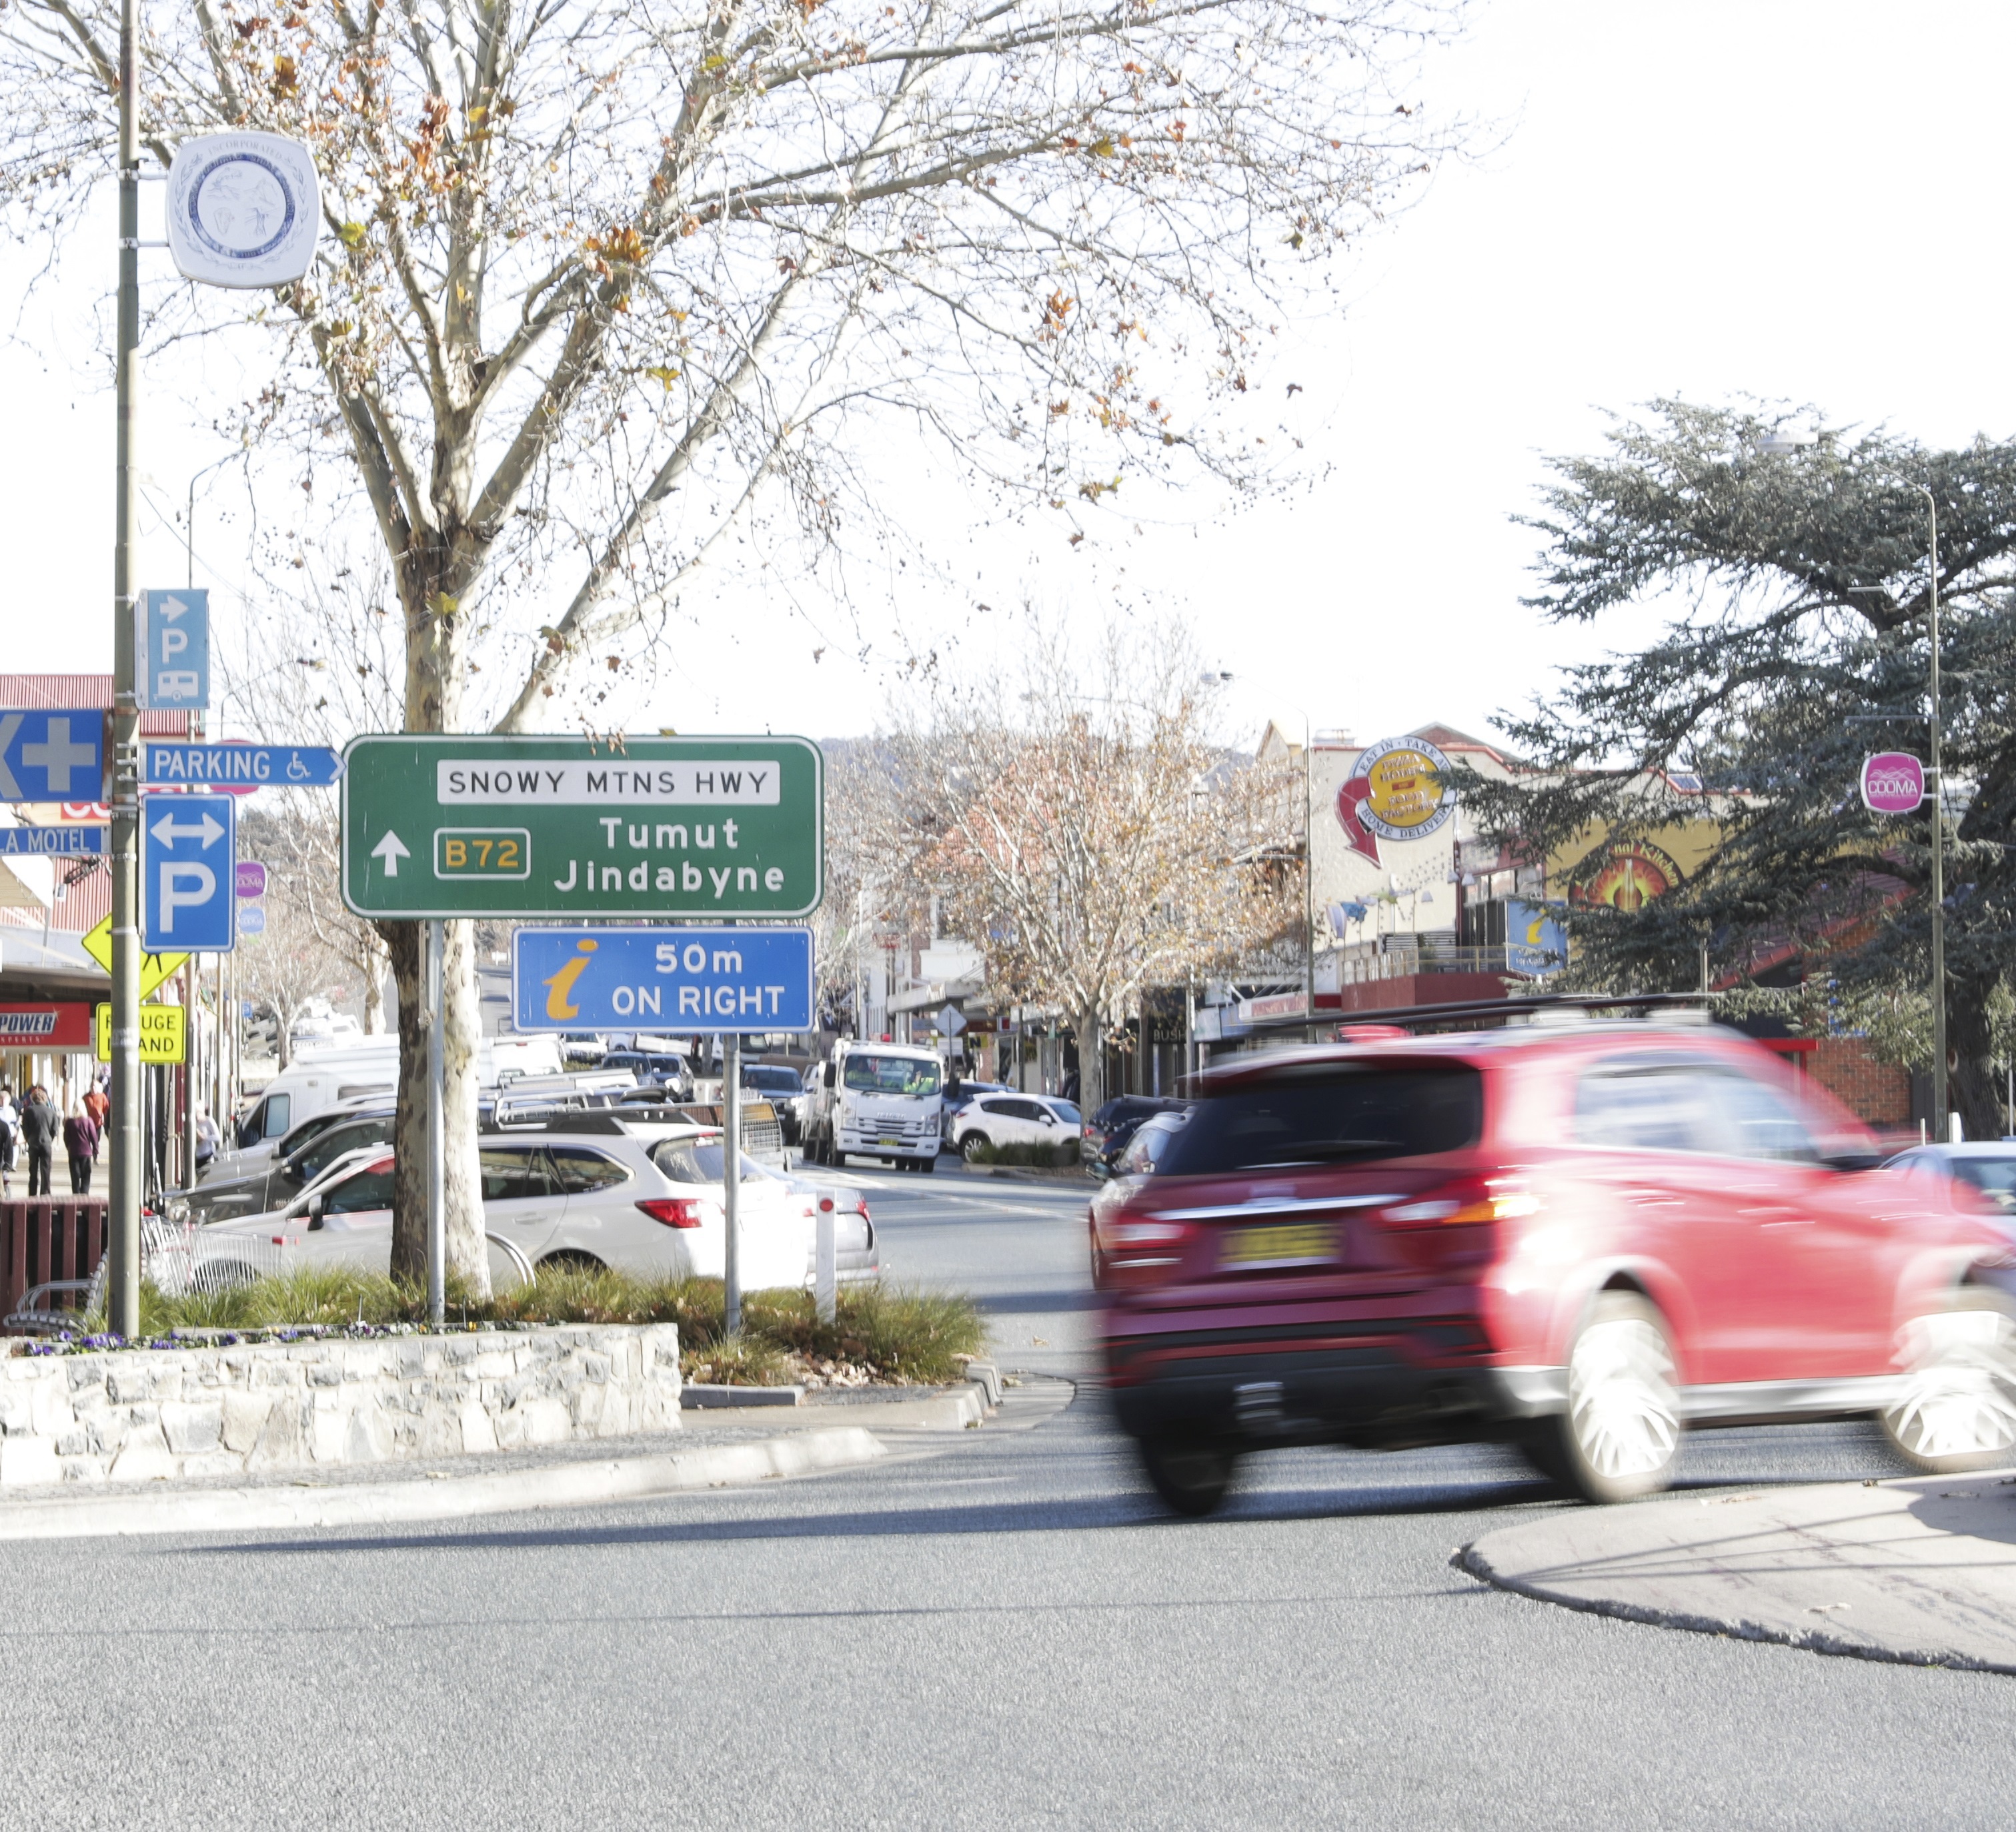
(445, 825)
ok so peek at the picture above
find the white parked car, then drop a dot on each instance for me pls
(1015, 1119)
(643, 1198)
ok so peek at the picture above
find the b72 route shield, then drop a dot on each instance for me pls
(445, 825)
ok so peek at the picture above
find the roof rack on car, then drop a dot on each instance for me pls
(613, 1121)
(1545, 1007)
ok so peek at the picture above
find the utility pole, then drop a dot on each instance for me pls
(123, 1232)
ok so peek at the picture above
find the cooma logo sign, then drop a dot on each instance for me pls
(1893, 782)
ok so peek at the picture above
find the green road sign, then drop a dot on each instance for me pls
(444, 825)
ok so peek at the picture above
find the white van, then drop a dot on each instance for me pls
(882, 1100)
(320, 1079)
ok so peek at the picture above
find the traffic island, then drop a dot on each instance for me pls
(230, 1407)
(1920, 1571)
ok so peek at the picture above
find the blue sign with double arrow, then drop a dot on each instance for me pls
(671, 979)
(48, 756)
(260, 766)
(171, 649)
(189, 897)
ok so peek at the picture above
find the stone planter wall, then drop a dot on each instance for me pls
(137, 1415)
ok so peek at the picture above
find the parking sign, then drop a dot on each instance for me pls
(188, 848)
(172, 649)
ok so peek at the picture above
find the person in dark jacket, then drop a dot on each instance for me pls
(39, 1124)
(80, 1142)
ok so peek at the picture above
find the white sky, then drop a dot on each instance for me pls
(1795, 199)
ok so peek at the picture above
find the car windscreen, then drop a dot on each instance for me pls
(891, 1075)
(1066, 1111)
(771, 1081)
(1995, 1177)
(1330, 1114)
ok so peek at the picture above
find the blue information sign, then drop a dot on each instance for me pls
(188, 891)
(50, 842)
(261, 766)
(172, 647)
(48, 756)
(671, 979)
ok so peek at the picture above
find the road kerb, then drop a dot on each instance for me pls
(1920, 1572)
(412, 1499)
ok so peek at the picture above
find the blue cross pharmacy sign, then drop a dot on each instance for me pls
(671, 979)
(171, 649)
(48, 756)
(189, 898)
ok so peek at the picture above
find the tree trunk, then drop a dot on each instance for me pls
(1091, 1060)
(435, 670)
(468, 1255)
(374, 993)
(1973, 1087)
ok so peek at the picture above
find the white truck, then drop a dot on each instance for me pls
(878, 1100)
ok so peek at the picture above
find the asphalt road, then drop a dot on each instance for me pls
(1002, 1633)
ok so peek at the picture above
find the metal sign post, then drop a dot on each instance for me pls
(122, 1288)
(437, 1134)
(731, 1171)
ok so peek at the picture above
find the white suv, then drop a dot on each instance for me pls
(1015, 1119)
(641, 1196)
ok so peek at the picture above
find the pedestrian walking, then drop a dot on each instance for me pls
(41, 1124)
(10, 1139)
(98, 1103)
(207, 1139)
(80, 1133)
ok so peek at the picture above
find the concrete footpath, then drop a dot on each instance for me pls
(1921, 1571)
(714, 1449)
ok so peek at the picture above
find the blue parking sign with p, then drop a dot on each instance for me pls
(171, 649)
(188, 846)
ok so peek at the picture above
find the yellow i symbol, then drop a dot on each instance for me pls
(562, 983)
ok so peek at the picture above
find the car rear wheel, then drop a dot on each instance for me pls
(1957, 1410)
(972, 1146)
(1621, 1434)
(1191, 1474)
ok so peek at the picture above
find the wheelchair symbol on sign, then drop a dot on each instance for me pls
(297, 772)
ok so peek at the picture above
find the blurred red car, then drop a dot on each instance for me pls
(1583, 1238)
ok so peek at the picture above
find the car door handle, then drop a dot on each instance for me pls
(1647, 1197)
(526, 1221)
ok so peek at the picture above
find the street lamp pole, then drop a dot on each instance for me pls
(1939, 1122)
(1309, 858)
(1778, 443)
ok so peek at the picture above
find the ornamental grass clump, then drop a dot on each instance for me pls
(887, 1333)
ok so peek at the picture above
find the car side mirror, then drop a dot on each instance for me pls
(828, 1075)
(317, 1206)
(1855, 1158)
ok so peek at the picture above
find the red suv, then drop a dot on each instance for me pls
(1583, 1238)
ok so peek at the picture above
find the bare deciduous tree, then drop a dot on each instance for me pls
(610, 283)
(1085, 833)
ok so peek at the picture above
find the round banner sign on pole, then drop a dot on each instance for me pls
(244, 210)
(1893, 782)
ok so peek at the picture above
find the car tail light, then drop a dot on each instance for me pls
(1141, 1244)
(674, 1211)
(1461, 1204)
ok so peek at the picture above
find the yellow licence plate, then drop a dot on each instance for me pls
(1297, 1244)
